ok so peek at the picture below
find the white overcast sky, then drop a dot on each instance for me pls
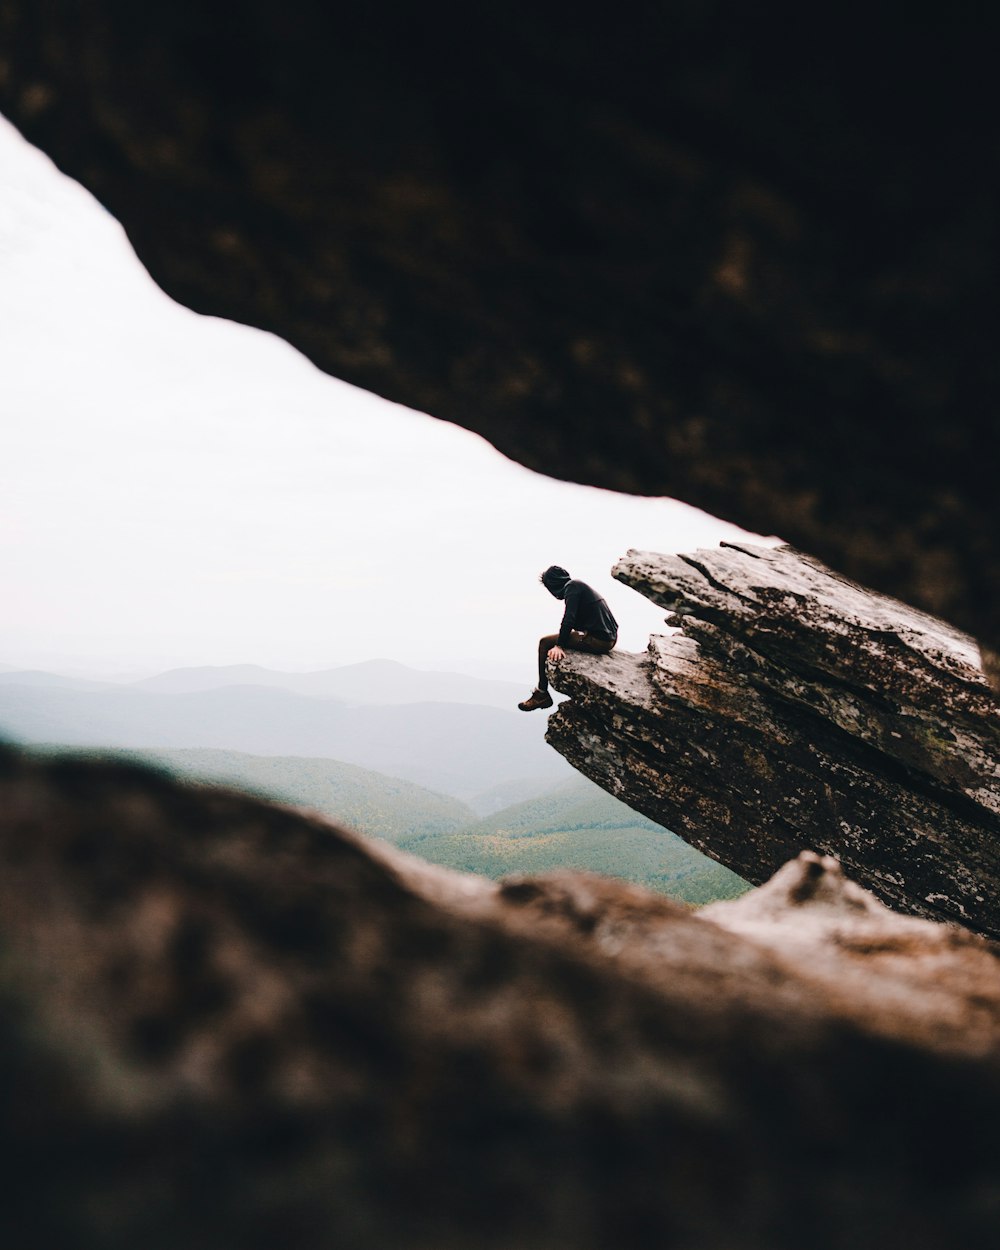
(176, 489)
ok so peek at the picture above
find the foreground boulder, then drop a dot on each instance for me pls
(746, 259)
(795, 710)
(226, 1024)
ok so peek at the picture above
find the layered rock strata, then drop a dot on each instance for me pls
(746, 260)
(795, 710)
(226, 1024)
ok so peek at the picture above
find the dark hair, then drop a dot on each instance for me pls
(554, 575)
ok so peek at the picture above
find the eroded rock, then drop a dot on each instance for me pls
(226, 1024)
(795, 710)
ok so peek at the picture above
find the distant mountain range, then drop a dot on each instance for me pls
(464, 737)
(363, 800)
(372, 682)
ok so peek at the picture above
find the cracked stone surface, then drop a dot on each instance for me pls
(794, 710)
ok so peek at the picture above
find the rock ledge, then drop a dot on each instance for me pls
(794, 710)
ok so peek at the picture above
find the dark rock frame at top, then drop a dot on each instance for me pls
(746, 259)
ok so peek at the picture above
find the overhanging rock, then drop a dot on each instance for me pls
(796, 710)
(739, 258)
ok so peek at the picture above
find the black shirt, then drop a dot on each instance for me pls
(585, 610)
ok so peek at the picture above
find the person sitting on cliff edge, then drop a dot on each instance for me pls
(587, 625)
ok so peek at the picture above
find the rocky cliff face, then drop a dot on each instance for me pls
(744, 260)
(226, 1024)
(795, 710)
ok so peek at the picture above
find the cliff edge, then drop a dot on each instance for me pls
(794, 710)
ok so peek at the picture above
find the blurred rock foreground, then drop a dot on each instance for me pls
(744, 259)
(226, 1024)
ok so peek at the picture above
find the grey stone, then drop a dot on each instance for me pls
(794, 710)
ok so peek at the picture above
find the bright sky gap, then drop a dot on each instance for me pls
(177, 490)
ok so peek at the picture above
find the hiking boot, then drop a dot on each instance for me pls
(537, 698)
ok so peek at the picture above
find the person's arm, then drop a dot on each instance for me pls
(572, 601)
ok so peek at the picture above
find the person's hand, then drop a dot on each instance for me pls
(556, 654)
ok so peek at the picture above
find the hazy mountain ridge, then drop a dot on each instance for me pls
(363, 800)
(370, 682)
(461, 749)
(577, 803)
(508, 794)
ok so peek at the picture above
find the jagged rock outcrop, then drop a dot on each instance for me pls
(795, 710)
(226, 1024)
(743, 259)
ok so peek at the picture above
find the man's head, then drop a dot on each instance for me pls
(555, 579)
